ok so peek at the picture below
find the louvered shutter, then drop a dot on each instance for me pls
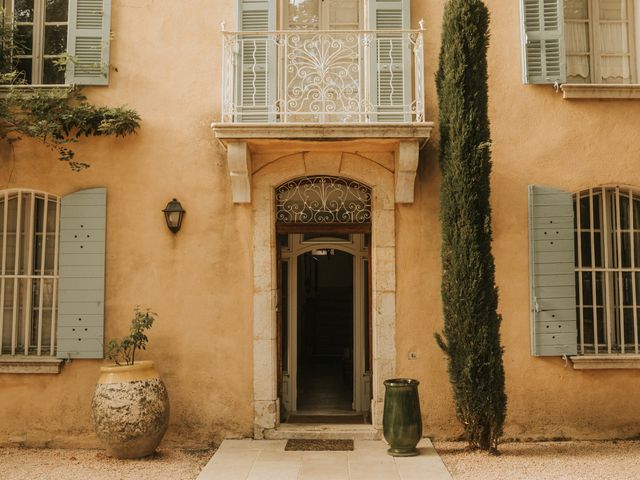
(80, 330)
(88, 42)
(391, 62)
(543, 41)
(552, 272)
(256, 79)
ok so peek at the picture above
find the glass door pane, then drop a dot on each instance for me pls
(615, 42)
(302, 14)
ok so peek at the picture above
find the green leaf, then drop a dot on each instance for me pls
(57, 117)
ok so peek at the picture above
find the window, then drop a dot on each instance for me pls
(607, 269)
(29, 272)
(52, 259)
(584, 252)
(593, 53)
(62, 41)
(41, 39)
(599, 41)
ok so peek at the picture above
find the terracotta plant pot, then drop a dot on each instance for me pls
(130, 409)
(402, 421)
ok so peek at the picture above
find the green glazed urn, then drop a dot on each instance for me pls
(402, 422)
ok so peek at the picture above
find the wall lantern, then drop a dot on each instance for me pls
(173, 214)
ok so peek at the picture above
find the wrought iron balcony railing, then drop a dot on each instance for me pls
(311, 76)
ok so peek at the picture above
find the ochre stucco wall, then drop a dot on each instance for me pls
(538, 138)
(200, 281)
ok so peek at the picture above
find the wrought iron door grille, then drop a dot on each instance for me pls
(323, 200)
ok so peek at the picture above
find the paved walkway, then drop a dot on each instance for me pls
(267, 460)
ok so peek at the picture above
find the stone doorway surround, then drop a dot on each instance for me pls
(259, 159)
(383, 273)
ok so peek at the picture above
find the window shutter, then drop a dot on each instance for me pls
(256, 80)
(552, 272)
(80, 329)
(88, 42)
(391, 62)
(543, 53)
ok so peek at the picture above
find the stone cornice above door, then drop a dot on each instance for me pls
(242, 140)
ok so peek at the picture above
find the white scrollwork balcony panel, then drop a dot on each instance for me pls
(323, 76)
(323, 199)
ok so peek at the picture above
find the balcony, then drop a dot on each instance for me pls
(323, 77)
(352, 87)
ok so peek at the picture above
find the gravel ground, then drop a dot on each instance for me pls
(545, 461)
(53, 464)
(518, 461)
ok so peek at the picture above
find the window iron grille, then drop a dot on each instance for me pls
(607, 241)
(29, 272)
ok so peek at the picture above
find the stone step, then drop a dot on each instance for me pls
(323, 432)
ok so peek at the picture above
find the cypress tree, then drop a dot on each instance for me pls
(471, 335)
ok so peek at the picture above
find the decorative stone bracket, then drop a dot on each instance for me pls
(404, 140)
(406, 164)
(239, 167)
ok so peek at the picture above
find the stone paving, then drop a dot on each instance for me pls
(267, 460)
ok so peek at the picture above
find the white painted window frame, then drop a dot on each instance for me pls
(594, 27)
(39, 23)
(25, 247)
(611, 234)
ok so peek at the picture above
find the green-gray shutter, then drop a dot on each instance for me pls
(256, 79)
(543, 52)
(88, 42)
(391, 59)
(552, 272)
(81, 267)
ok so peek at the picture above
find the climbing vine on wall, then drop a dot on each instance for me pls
(57, 116)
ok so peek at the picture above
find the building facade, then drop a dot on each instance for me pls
(301, 138)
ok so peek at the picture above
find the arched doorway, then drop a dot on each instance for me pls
(324, 366)
(300, 175)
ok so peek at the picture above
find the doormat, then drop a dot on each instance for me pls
(339, 419)
(319, 445)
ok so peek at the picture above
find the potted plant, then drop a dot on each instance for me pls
(130, 406)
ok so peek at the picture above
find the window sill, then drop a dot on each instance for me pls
(6, 89)
(578, 91)
(608, 362)
(23, 364)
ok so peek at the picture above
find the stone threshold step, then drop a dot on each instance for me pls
(322, 432)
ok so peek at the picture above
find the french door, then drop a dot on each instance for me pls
(290, 250)
(320, 76)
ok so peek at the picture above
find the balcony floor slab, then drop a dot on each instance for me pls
(251, 132)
